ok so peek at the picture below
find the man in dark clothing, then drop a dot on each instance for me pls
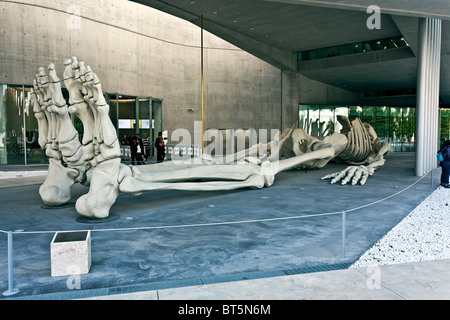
(136, 149)
(445, 164)
(125, 141)
(146, 143)
(160, 148)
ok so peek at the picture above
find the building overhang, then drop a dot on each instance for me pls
(275, 30)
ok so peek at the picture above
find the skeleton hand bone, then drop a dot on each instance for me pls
(354, 174)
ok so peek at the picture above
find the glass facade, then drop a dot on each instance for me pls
(353, 48)
(19, 128)
(395, 125)
(445, 125)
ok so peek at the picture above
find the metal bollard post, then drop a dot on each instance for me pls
(343, 235)
(11, 291)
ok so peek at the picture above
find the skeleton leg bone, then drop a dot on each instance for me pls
(239, 176)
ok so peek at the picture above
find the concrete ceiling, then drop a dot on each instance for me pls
(275, 30)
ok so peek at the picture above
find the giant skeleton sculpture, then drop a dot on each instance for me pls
(95, 160)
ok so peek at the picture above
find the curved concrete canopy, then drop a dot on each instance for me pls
(275, 30)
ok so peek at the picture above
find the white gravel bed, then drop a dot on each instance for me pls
(21, 174)
(422, 235)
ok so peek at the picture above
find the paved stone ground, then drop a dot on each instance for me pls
(237, 234)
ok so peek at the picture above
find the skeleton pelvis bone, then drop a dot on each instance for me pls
(95, 160)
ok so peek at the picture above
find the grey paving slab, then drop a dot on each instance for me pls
(331, 285)
(427, 280)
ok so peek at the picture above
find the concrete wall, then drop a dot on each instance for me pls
(139, 51)
(315, 92)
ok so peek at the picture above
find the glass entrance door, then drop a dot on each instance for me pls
(144, 121)
(157, 122)
(126, 118)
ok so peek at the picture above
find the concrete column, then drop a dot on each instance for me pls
(289, 99)
(428, 81)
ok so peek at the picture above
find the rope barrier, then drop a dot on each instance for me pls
(235, 222)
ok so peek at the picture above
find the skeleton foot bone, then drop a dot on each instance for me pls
(55, 191)
(70, 160)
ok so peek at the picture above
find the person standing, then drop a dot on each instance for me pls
(136, 149)
(133, 150)
(445, 164)
(125, 141)
(160, 148)
(146, 143)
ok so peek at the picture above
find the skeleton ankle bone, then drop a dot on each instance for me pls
(103, 191)
(55, 191)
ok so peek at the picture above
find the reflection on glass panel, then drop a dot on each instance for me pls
(382, 123)
(339, 111)
(445, 125)
(144, 116)
(328, 52)
(34, 155)
(127, 117)
(368, 115)
(313, 120)
(395, 129)
(13, 139)
(354, 112)
(394, 125)
(327, 120)
(3, 151)
(302, 116)
(408, 129)
(111, 100)
(157, 122)
(350, 48)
